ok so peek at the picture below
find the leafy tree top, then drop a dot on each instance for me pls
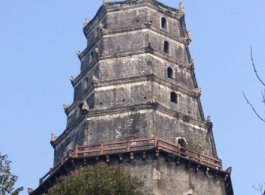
(7, 180)
(100, 179)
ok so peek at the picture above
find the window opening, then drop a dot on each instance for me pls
(166, 47)
(86, 83)
(163, 22)
(182, 142)
(169, 72)
(174, 97)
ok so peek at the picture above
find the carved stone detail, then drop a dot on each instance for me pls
(71, 78)
(95, 80)
(78, 53)
(197, 91)
(192, 64)
(188, 37)
(86, 22)
(85, 107)
(53, 137)
(181, 9)
(65, 106)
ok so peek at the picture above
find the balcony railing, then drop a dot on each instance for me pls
(135, 145)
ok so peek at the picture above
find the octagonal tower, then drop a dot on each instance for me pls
(137, 88)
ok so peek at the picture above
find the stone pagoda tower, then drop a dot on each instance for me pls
(137, 103)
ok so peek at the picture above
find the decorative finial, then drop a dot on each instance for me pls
(152, 100)
(192, 64)
(105, 1)
(95, 79)
(188, 37)
(53, 137)
(72, 78)
(78, 53)
(148, 21)
(97, 50)
(30, 190)
(85, 107)
(181, 8)
(229, 170)
(197, 91)
(101, 26)
(65, 106)
(208, 119)
(86, 22)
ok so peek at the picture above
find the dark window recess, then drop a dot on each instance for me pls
(92, 55)
(174, 97)
(182, 143)
(163, 22)
(169, 72)
(166, 47)
(100, 103)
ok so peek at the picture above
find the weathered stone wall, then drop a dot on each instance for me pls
(176, 49)
(143, 124)
(185, 104)
(125, 67)
(124, 42)
(138, 16)
(167, 178)
(170, 128)
(86, 84)
(181, 76)
(122, 95)
(119, 126)
(75, 137)
(164, 177)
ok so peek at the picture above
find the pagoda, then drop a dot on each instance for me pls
(137, 103)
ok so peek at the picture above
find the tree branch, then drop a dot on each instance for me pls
(254, 67)
(263, 96)
(259, 189)
(253, 108)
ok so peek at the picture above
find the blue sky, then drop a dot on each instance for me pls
(38, 40)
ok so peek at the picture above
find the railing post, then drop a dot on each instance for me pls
(101, 148)
(200, 158)
(156, 141)
(221, 164)
(179, 150)
(40, 181)
(128, 145)
(76, 149)
(50, 171)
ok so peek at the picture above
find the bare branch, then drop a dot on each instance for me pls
(254, 67)
(253, 108)
(263, 96)
(260, 188)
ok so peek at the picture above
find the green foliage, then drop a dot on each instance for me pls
(7, 180)
(193, 145)
(100, 179)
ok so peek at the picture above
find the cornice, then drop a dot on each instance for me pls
(109, 7)
(132, 108)
(148, 50)
(149, 77)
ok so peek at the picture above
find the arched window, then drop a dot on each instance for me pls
(182, 142)
(166, 47)
(85, 83)
(164, 22)
(173, 97)
(90, 57)
(169, 72)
